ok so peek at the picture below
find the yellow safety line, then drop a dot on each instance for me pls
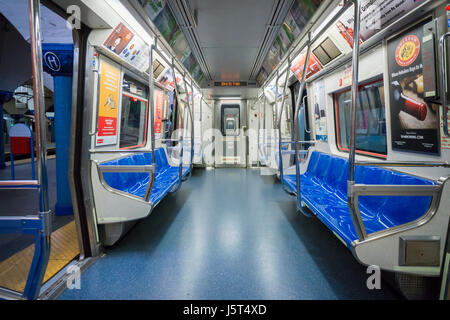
(14, 270)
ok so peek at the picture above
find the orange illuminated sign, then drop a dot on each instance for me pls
(230, 84)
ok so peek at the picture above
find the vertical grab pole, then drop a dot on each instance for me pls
(297, 129)
(356, 218)
(275, 123)
(444, 83)
(280, 142)
(180, 117)
(192, 112)
(188, 109)
(151, 100)
(42, 244)
(264, 146)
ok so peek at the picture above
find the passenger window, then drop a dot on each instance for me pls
(134, 115)
(371, 120)
(230, 120)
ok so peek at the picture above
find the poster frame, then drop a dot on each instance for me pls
(420, 22)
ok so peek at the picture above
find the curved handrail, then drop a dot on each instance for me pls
(150, 169)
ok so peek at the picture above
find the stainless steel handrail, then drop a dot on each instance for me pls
(395, 190)
(192, 124)
(170, 140)
(403, 164)
(37, 270)
(300, 142)
(19, 184)
(133, 169)
(276, 100)
(297, 129)
(283, 99)
(358, 190)
(445, 108)
(304, 116)
(354, 213)
(96, 111)
(151, 85)
(94, 151)
(180, 116)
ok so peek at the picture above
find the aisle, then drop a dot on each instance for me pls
(227, 234)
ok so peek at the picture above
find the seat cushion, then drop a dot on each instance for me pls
(166, 177)
(324, 190)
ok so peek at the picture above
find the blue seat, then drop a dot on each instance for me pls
(166, 176)
(324, 190)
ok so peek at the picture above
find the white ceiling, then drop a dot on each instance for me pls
(230, 33)
(53, 27)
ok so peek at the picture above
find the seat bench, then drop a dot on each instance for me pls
(324, 190)
(166, 176)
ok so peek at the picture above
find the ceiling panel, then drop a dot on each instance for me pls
(230, 33)
(230, 63)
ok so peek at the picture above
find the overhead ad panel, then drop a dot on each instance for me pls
(296, 19)
(129, 47)
(298, 65)
(159, 12)
(375, 16)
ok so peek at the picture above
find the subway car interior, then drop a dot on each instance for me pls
(224, 150)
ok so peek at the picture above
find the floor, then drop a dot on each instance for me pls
(14, 270)
(227, 234)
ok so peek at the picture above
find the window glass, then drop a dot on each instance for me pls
(371, 120)
(230, 120)
(134, 114)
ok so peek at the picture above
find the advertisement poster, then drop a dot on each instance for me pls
(320, 115)
(119, 39)
(414, 123)
(167, 25)
(272, 59)
(108, 104)
(136, 53)
(288, 32)
(153, 7)
(261, 77)
(375, 16)
(167, 80)
(196, 72)
(131, 48)
(303, 10)
(190, 63)
(314, 66)
(159, 104)
(181, 47)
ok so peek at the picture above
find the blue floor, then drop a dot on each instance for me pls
(228, 234)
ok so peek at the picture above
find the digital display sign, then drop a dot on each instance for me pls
(230, 84)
